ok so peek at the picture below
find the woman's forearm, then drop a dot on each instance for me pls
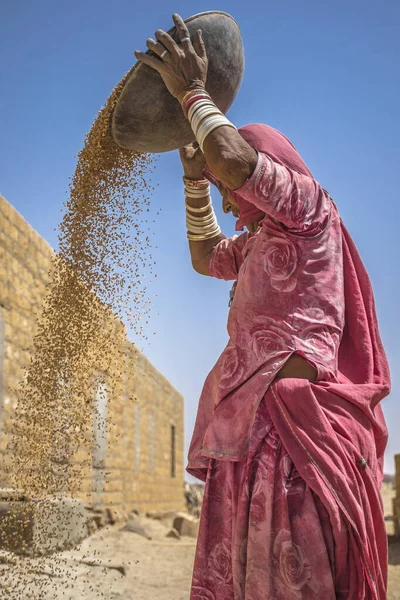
(229, 157)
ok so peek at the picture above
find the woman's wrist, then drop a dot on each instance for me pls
(195, 175)
(188, 91)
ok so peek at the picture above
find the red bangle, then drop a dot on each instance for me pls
(187, 107)
(192, 100)
(191, 93)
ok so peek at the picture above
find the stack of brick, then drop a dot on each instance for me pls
(396, 499)
(143, 463)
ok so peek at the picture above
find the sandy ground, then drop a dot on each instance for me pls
(156, 569)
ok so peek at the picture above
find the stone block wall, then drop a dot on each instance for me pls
(396, 499)
(141, 460)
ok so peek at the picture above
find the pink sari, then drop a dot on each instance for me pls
(301, 517)
(263, 532)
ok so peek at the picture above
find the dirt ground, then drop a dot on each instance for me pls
(156, 569)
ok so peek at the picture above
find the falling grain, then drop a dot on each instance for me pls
(97, 282)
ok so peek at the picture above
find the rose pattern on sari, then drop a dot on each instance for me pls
(292, 566)
(219, 561)
(312, 308)
(200, 593)
(300, 209)
(320, 341)
(267, 338)
(280, 262)
(232, 366)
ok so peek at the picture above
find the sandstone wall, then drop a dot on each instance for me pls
(396, 499)
(134, 468)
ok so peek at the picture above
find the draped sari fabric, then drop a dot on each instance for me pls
(300, 516)
(265, 534)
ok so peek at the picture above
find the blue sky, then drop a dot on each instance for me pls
(325, 74)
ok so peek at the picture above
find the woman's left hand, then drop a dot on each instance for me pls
(193, 161)
(182, 67)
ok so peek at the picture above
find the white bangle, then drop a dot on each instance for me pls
(202, 230)
(195, 219)
(191, 223)
(201, 226)
(198, 120)
(196, 196)
(206, 123)
(197, 105)
(198, 190)
(202, 106)
(210, 229)
(200, 238)
(209, 128)
(199, 221)
(198, 210)
(202, 114)
(200, 193)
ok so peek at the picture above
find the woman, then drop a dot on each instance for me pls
(289, 435)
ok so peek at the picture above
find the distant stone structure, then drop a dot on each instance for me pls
(396, 499)
(139, 462)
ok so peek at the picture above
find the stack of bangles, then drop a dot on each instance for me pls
(203, 115)
(201, 223)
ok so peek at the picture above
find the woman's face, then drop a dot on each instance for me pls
(228, 203)
(229, 206)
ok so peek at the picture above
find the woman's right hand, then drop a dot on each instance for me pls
(193, 161)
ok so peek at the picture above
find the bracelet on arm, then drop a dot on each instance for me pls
(205, 222)
(197, 193)
(198, 210)
(206, 229)
(196, 183)
(196, 219)
(191, 97)
(203, 115)
(201, 227)
(209, 125)
(192, 93)
(201, 238)
(196, 188)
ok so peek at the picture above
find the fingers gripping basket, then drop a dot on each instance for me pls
(147, 118)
